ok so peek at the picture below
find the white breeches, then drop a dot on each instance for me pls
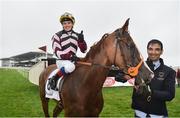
(143, 115)
(68, 65)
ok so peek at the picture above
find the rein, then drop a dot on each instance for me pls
(95, 64)
(132, 71)
(92, 64)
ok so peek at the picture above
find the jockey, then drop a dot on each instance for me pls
(65, 44)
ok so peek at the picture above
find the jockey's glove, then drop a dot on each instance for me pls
(81, 36)
(74, 58)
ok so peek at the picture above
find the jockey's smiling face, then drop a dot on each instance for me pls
(67, 25)
(154, 51)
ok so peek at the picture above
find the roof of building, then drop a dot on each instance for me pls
(26, 56)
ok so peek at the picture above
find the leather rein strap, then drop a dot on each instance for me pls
(132, 71)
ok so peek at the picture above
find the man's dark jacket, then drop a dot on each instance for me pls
(163, 89)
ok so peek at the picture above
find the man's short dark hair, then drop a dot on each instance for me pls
(155, 41)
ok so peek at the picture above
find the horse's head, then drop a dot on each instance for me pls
(122, 52)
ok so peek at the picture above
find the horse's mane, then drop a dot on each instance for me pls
(95, 48)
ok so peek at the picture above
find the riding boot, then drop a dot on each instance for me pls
(53, 80)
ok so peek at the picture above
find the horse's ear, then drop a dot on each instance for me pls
(125, 26)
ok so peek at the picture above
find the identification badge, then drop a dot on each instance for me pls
(161, 76)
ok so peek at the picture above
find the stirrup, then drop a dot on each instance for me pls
(52, 83)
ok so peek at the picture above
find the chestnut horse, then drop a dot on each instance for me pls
(81, 93)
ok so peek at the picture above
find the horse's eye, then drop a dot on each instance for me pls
(129, 65)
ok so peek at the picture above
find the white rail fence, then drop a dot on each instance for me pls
(22, 70)
(34, 72)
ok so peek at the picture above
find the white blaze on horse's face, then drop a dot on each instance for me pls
(142, 77)
(152, 73)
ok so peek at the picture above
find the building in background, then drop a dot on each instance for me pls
(24, 60)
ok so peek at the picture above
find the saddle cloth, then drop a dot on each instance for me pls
(50, 93)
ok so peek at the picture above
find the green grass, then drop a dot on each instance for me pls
(20, 98)
(117, 102)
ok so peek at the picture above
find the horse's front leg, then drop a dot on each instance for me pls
(98, 104)
(76, 111)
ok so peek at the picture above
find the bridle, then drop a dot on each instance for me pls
(132, 71)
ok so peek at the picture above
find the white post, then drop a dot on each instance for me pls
(46, 62)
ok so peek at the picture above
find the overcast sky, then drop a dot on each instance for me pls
(29, 24)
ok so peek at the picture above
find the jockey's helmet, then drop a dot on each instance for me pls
(66, 17)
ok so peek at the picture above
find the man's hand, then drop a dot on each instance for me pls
(144, 91)
(147, 92)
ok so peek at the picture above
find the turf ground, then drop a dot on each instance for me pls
(20, 98)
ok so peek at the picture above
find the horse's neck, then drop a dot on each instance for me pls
(100, 75)
(96, 74)
(99, 58)
(98, 71)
